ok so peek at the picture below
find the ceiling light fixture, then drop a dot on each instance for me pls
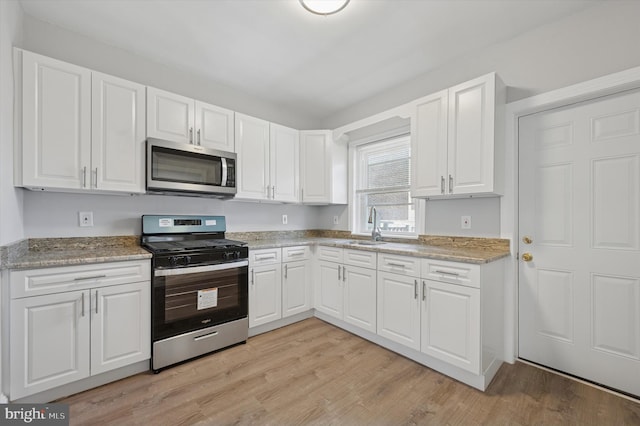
(324, 7)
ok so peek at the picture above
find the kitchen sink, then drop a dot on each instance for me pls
(366, 242)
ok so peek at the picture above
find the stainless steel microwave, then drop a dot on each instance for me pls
(183, 169)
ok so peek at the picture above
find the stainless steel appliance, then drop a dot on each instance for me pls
(185, 169)
(199, 287)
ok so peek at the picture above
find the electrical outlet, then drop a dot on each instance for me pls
(85, 218)
(336, 221)
(285, 220)
(466, 222)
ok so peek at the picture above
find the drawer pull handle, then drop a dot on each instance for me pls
(399, 265)
(266, 256)
(455, 274)
(82, 304)
(286, 270)
(93, 277)
(206, 336)
(97, 302)
(296, 253)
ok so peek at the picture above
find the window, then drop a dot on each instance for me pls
(382, 180)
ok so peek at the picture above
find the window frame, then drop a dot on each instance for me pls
(354, 202)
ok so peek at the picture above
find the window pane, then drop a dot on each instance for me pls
(385, 164)
(395, 212)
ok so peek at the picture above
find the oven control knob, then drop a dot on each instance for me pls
(226, 255)
(173, 260)
(237, 255)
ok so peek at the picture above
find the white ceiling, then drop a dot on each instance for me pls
(277, 51)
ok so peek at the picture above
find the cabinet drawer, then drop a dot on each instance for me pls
(365, 259)
(399, 264)
(451, 272)
(290, 254)
(330, 254)
(265, 256)
(34, 282)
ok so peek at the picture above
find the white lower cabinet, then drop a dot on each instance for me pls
(399, 309)
(65, 336)
(345, 291)
(296, 287)
(279, 284)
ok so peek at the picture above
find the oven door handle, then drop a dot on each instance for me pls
(196, 269)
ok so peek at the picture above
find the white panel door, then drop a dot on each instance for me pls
(170, 116)
(399, 309)
(265, 294)
(252, 147)
(120, 326)
(296, 287)
(285, 164)
(360, 297)
(450, 326)
(328, 296)
(56, 123)
(118, 134)
(49, 342)
(429, 146)
(214, 127)
(580, 210)
(315, 163)
(471, 136)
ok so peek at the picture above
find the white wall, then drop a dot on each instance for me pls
(443, 217)
(597, 41)
(50, 214)
(10, 198)
(56, 42)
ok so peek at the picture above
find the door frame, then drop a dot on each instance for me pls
(601, 86)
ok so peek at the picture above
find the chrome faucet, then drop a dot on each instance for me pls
(376, 235)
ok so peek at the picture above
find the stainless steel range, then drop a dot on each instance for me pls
(199, 287)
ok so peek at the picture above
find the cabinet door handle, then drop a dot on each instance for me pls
(273, 192)
(301, 194)
(344, 274)
(84, 177)
(424, 290)
(95, 172)
(339, 276)
(82, 303)
(252, 277)
(450, 184)
(286, 270)
(198, 137)
(415, 289)
(97, 301)
(190, 135)
(442, 185)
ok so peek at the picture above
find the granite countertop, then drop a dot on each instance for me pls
(46, 252)
(455, 249)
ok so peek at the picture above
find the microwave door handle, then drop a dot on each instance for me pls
(223, 181)
(196, 269)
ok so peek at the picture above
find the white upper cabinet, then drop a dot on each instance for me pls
(284, 164)
(457, 140)
(252, 147)
(81, 130)
(118, 135)
(181, 119)
(268, 160)
(323, 165)
(56, 123)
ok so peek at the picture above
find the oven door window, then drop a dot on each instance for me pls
(188, 301)
(171, 165)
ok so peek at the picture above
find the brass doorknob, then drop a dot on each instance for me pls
(527, 257)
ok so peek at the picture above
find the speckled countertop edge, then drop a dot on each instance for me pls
(48, 252)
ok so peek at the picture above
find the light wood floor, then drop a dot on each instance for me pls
(314, 373)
